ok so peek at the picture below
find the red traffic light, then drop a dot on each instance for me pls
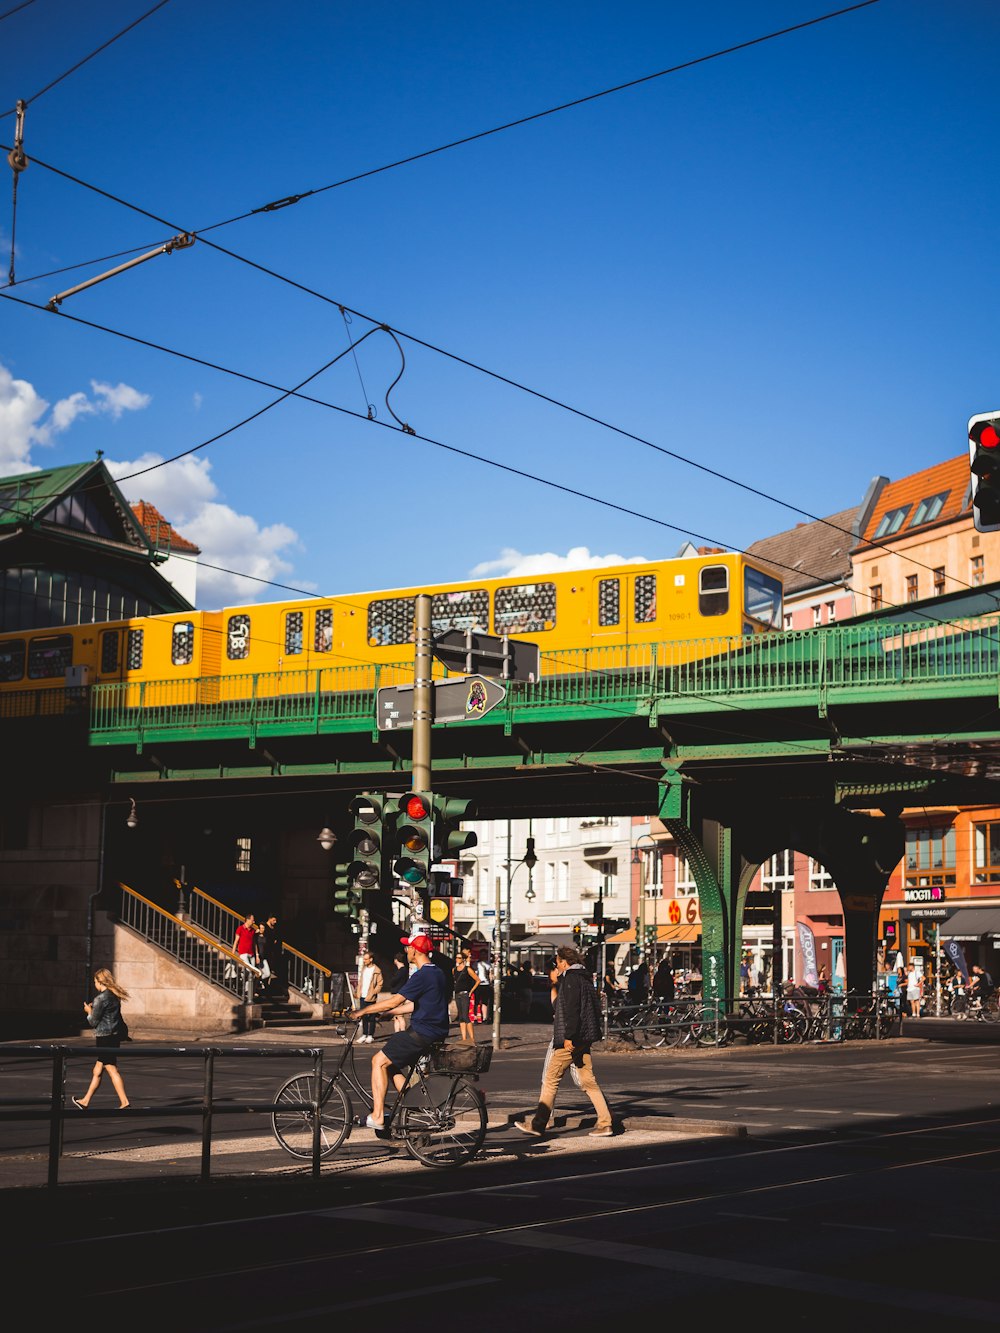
(985, 434)
(415, 807)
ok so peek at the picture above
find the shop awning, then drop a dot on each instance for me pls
(972, 923)
(683, 934)
(554, 940)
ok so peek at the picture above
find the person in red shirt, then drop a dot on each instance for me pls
(245, 943)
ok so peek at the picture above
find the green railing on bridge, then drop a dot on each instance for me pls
(862, 661)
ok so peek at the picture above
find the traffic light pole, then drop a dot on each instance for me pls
(423, 693)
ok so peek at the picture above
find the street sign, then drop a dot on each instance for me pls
(491, 911)
(489, 654)
(463, 699)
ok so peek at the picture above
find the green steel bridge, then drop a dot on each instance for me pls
(813, 739)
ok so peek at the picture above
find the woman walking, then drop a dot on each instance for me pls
(369, 989)
(466, 983)
(105, 1016)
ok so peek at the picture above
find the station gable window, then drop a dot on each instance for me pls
(930, 857)
(468, 608)
(713, 590)
(892, 520)
(243, 850)
(238, 638)
(50, 656)
(323, 632)
(645, 599)
(609, 601)
(390, 621)
(293, 632)
(986, 848)
(182, 643)
(524, 608)
(12, 659)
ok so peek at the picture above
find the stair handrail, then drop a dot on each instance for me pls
(228, 969)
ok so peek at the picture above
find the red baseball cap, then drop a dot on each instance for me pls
(419, 942)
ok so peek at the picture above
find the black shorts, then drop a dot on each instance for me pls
(403, 1049)
(106, 1047)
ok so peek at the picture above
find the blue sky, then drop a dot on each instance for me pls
(775, 262)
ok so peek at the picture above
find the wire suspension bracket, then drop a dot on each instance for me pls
(18, 162)
(182, 241)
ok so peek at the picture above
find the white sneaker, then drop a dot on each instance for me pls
(371, 1123)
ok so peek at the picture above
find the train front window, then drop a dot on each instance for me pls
(238, 638)
(609, 602)
(109, 651)
(762, 598)
(50, 656)
(12, 660)
(293, 632)
(713, 590)
(182, 643)
(390, 622)
(469, 608)
(524, 608)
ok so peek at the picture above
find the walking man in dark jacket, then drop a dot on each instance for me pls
(576, 1025)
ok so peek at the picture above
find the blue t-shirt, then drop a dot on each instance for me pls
(427, 987)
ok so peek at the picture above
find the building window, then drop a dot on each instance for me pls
(831, 612)
(817, 616)
(892, 521)
(651, 869)
(243, 855)
(562, 886)
(930, 857)
(685, 887)
(779, 871)
(928, 509)
(939, 581)
(976, 570)
(820, 879)
(787, 620)
(986, 847)
(608, 871)
(875, 594)
(550, 882)
(912, 593)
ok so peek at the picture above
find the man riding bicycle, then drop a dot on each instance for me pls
(426, 989)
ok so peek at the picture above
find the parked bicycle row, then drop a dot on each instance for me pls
(788, 1019)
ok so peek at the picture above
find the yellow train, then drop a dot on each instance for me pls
(277, 647)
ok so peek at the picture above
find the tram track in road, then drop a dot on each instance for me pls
(654, 1217)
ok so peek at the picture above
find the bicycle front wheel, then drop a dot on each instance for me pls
(293, 1117)
(443, 1121)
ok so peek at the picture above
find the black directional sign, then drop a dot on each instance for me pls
(503, 658)
(464, 699)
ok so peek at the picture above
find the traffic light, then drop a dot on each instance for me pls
(449, 839)
(984, 465)
(414, 839)
(363, 871)
(346, 898)
(577, 935)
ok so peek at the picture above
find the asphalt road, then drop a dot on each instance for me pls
(865, 1183)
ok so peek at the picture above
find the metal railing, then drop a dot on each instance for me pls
(304, 974)
(53, 1107)
(693, 674)
(189, 945)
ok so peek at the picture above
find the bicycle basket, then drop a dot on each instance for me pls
(462, 1058)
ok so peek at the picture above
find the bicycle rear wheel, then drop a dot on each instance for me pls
(443, 1121)
(293, 1118)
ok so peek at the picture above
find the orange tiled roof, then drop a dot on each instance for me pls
(951, 476)
(160, 533)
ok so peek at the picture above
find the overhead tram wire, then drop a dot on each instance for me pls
(80, 63)
(16, 10)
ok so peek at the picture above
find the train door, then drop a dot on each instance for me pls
(111, 657)
(608, 622)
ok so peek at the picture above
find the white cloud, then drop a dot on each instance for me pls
(186, 495)
(24, 423)
(514, 564)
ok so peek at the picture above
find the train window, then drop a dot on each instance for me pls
(135, 649)
(762, 597)
(12, 659)
(645, 598)
(109, 650)
(466, 609)
(713, 590)
(238, 638)
(50, 656)
(390, 621)
(293, 632)
(323, 633)
(182, 643)
(609, 602)
(524, 608)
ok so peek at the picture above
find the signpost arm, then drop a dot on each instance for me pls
(423, 693)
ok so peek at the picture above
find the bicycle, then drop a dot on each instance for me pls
(972, 1006)
(438, 1115)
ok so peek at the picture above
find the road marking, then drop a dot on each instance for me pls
(753, 1217)
(856, 1226)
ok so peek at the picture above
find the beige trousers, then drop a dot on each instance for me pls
(558, 1065)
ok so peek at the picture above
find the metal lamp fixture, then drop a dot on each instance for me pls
(326, 838)
(131, 819)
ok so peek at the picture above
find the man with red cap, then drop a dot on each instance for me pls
(426, 989)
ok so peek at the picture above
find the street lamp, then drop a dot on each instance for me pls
(530, 860)
(640, 858)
